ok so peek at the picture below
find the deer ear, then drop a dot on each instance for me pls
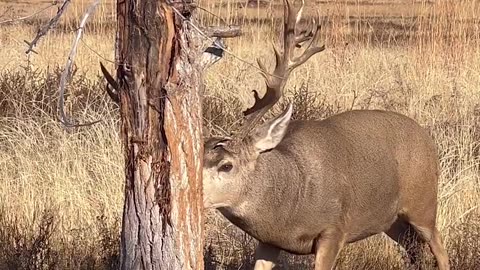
(270, 134)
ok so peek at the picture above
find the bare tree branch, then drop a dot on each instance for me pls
(43, 31)
(223, 32)
(95, 52)
(14, 20)
(66, 72)
(196, 28)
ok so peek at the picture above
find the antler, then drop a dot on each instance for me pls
(285, 63)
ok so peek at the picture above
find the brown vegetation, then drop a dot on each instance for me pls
(61, 196)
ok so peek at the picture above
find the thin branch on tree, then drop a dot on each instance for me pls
(230, 31)
(224, 49)
(96, 52)
(66, 72)
(14, 20)
(44, 30)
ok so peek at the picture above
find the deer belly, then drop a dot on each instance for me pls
(288, 240)
(371, 219)
(284, 233)
(293, 234)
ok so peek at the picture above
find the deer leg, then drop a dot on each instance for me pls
(438, 250)
(434, 240)
(405, 235)
(328, 245)
(265, 257)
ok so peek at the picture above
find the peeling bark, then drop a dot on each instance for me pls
(160, 108)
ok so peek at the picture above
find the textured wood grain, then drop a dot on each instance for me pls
(161, 127)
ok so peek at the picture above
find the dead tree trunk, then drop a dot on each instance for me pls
(159, 93)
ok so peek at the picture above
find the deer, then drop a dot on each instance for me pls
(314, 186)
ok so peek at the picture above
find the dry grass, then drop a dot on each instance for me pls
(61, 195)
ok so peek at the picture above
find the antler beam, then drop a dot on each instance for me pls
(285, 62)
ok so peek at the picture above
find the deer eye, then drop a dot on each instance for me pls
(226, 167)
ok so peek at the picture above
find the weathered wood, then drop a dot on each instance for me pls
(160, 106)
(223, 32)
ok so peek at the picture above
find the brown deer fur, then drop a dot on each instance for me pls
(309, 187)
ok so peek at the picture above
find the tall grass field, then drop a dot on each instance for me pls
(61, 191)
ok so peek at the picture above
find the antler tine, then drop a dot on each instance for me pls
(307, 34)
(285, 62)
(311, 48)
(262, 67)
(300, 13)
(289, 32)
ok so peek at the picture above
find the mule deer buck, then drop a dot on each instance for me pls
(310, 187)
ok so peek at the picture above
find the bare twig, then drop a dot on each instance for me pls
(66, 72)
(206, 36)
(44, 30)
(95, 52)
(14, 20)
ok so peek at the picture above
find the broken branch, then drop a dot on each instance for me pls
(66, 72)
(223, 32)
(43, 31)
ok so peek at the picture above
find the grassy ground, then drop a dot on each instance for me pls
(61, 192)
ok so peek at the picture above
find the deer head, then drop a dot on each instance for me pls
(227, 161)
